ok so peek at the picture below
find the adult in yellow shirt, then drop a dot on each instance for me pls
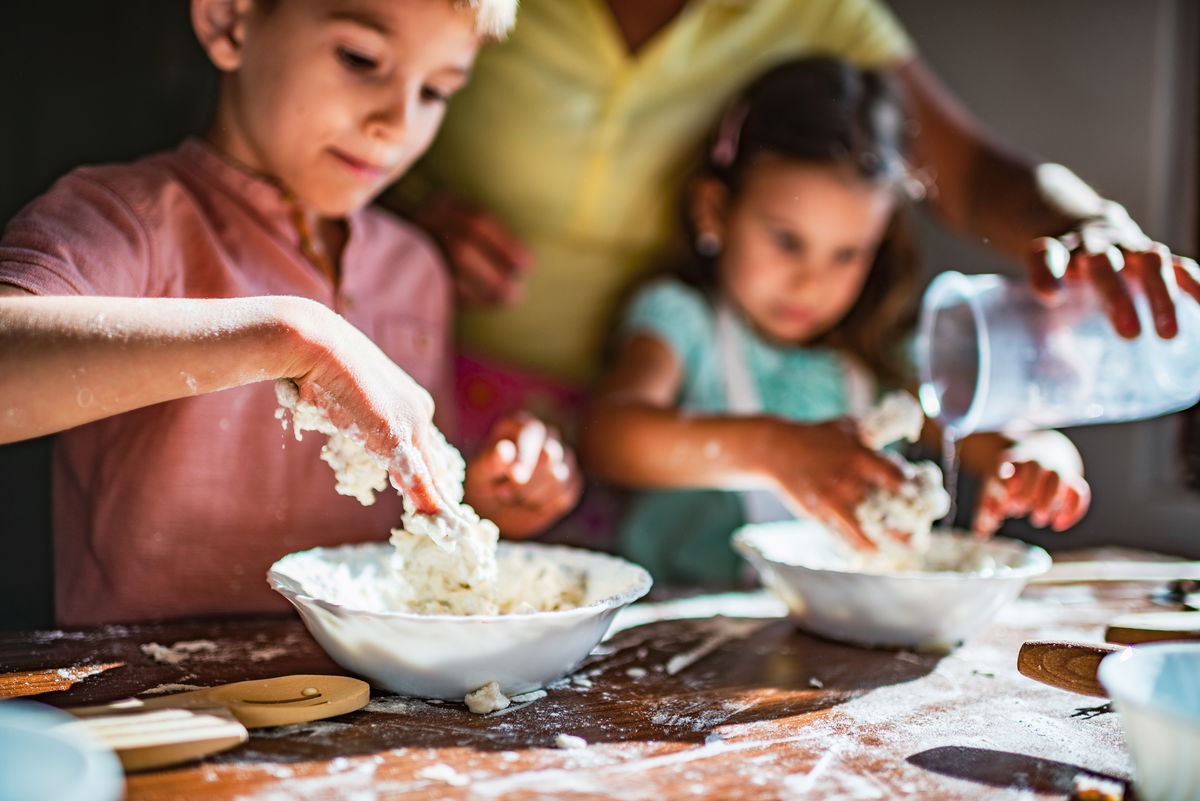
(557, 171)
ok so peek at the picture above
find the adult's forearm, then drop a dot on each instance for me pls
(978, 185)
(65, 361)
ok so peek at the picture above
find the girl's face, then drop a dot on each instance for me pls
(798, 242)
(337, 98)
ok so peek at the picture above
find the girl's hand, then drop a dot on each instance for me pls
(523, 478)
(827, 471)
(488, 261)
(1040, 476)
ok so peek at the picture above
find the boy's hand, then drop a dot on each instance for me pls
(523, 478)
(343, 373)
(827, 471)
(1040, 476)
(488, 261)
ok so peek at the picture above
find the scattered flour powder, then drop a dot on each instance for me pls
(178, 652)
(569, 742)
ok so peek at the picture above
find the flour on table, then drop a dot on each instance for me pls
(442, 772)
(170, 688)
(178, 652)
(487, 698)
(444, 563)
(569, 742)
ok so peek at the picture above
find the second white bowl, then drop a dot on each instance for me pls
(799, 560)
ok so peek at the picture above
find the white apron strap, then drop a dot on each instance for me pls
(860, 386)
(741, 398)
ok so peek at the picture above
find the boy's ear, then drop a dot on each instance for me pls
(220, 26)
(708, 203)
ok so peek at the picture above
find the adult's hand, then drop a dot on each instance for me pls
(488, 261)
(985, 189)
(1108, 249)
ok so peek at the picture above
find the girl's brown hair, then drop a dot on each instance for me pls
(825, 111)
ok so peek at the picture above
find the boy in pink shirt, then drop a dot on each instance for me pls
(216, 267)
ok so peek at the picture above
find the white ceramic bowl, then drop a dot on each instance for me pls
(448, 656)
(1156, 688)
(800, 561)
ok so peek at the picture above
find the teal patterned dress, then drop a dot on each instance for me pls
(682, 536)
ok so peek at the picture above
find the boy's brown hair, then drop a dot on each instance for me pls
(494, 19)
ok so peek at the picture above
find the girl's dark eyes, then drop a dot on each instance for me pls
(435, 95)
(845, 255)
(356, 61)
(786, 241)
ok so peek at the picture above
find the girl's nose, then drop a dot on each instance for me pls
(800, 277)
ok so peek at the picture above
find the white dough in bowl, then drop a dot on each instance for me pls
(349, 599)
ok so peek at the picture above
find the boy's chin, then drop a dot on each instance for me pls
(340, 204)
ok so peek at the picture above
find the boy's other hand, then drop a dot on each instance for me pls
(487, 260)
(1040, 476)
(523, 478)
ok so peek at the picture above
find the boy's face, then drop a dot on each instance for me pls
(337, 98)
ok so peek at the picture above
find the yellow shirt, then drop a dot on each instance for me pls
(580, 146)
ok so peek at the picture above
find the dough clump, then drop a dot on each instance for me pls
(912, 509)
(444, 563)
(487, 698)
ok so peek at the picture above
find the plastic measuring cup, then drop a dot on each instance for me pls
(991, 354)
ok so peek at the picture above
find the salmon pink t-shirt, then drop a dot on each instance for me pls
(179, 508)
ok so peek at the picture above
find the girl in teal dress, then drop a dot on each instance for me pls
(737, 378)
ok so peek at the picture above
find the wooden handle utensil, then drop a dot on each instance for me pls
(1154, 627)
(160, 737)
(1067, 665)
(260, 702)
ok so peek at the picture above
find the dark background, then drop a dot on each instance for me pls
(80, 82)
(1109, 87)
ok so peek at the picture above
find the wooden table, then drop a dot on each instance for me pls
(771, 714)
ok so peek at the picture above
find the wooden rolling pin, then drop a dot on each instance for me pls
(1154, 627)
(1067, 665)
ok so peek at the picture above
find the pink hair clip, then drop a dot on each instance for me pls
(724, 150)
